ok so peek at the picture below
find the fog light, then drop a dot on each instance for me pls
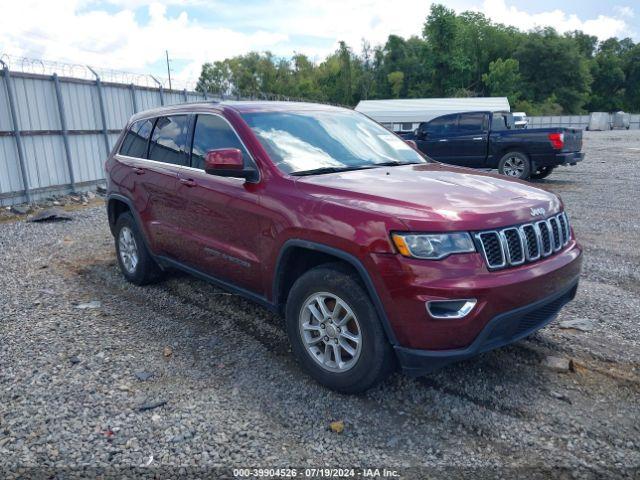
(451, 309)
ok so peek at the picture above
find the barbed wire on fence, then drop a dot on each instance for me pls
(88, 72)
(76, 70)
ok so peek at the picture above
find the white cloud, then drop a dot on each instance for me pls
(83, 32)
(603, 26)
(56, 31)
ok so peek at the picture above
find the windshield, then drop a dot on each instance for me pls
(324, 141)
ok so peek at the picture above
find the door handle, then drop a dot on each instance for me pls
(188, 182)
(478, 138)
(138, 170)
(443, 140)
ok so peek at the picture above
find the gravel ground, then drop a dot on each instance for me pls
(99, 376)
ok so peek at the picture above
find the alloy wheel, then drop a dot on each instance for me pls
(513, 167)
(330, 332)
(128, 250)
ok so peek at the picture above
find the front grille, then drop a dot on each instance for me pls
(512, 246)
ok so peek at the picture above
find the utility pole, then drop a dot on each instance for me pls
(168, 68)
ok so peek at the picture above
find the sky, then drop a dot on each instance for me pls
(132, 35)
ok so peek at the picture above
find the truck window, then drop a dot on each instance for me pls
(499, 122)
(442, 125)
(470, 122)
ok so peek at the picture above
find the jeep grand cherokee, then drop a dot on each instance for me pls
(375, 255)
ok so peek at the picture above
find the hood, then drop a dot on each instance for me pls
(435, 196)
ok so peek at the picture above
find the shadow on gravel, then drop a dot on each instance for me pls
(508, 381)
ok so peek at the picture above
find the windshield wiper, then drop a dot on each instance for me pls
(321, 170)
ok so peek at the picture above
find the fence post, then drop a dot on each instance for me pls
(65, 131)
(186, 98)
(204, 92)
(102, 110)
(159, 83)
(16, 131)
(133, 98)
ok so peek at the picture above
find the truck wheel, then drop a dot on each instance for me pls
(515, 164)
(136, 264)
(542, 172)
(335, 332)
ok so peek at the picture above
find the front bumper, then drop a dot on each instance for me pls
(503, 329)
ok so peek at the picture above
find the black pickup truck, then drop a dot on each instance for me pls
(490, 140)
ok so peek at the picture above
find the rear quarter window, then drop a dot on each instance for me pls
(136, 139)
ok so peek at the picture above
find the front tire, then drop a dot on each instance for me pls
(335, 332)
(135, 261)
(516, 165)
(543, 172)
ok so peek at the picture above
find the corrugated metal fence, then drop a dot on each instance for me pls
(573, 121)
(56, 132)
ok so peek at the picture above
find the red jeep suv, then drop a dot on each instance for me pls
(375, 255)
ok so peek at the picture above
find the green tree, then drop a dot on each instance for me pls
(503, 79)
(396, 80)
(460, 55)
(551, 64)
(443, 33)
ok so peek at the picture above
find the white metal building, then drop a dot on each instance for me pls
(406, 115)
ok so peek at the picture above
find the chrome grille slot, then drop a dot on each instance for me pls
(555, 233)
(512, 246)
(545, 238)
(492, 249)
(564, 227)
(532, 242)
(514, 250)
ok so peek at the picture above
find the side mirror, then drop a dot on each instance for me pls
(227, 162)
(421, 134)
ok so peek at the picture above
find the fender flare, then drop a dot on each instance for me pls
(342, 255)
(134, 212)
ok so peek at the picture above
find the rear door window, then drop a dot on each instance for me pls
(169, 140)
(135, 142)
(211, 133)
(470, 122)
(499, 122)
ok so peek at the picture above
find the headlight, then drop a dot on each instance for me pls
(432, 246)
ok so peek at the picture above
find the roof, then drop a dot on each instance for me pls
(239, 106)
(417, 110)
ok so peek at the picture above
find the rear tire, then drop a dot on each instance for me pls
(515, 165)
(136, 263)
(542, 172)
(327, 310)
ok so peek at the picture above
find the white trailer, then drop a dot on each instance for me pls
(406, 115)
